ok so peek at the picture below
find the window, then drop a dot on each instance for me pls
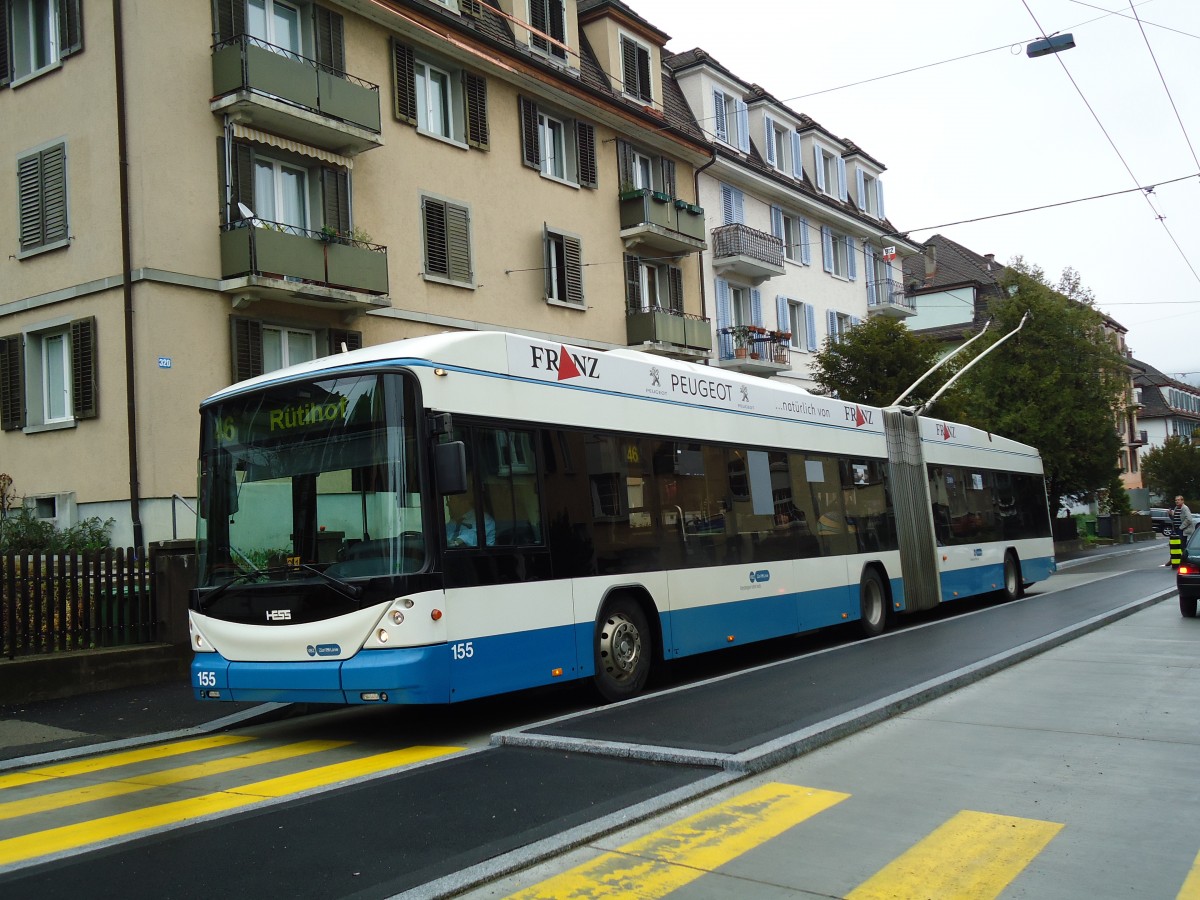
(732, 205)
(793, 231)
(736, 305)
(280, 193)
(549, 17)
(42, 203)
(838, 324)
(277, 23)
(651, 285)
(639, 170)
(564, 268)
(635, 69)
(731, 120)
(439, 99)
(447, 231)
(259, 347)
(830, 172)
(40, 34)
(799, 319)
(284, 190)
(870, 194)
(839, 253)
(557, 147)
(48, 375)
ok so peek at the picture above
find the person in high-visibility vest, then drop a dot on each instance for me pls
(1182, 528)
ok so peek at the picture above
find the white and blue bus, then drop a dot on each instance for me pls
(459, 515)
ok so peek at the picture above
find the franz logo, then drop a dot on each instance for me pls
(945, 430)
(859, 416)
(564, 363)
(761, 576)
(324, 650)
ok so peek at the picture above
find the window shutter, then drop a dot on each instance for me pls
(42, 190)
(531, 150)
(29, 190)
(743, 124)
(879, 197)
(805, 246)
(841, 170)
(241, 180)
(573, 264)
(472, 9)
(625, 165)
(585, 147)
(247, 348)
(643, 64)
(810, 326)
(328, 33)
(434, 214)
(538, 19)
(720, 125)
(797, 159)
(475, 110)
(852, 257)
(869, 273)
(633, 283)
(458, 242)
(831, 324)
(629, 67)
(732, 204)
(556, 19)
(12, 383)
(675, 288)
(84, 393)
(54, 193)
(404, 82)
(335, 192)
(777, 226)
(668, 176)
(769, 138)
(827, 248)
(70, 27)
(781, 313)
(818, 168)
(5, 53)
(756, 310)
(338, 336)
(230, 18)
(862, 188)
(724, 320)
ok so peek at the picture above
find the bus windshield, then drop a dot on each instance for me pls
(311, 480)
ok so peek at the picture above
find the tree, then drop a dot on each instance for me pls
(1055, 384)
(1172, 469)
(875, 362)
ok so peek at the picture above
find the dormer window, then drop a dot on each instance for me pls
(731, 120)
(550, 18)
(782, 148)
(830, 172)
(635, 69)
(870, 194)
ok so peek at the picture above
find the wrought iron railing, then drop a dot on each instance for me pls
(741, 341)
(737, 239)
(888, 292)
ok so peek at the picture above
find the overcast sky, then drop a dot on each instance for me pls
(998, 132)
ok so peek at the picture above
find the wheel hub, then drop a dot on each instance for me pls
(621, 647)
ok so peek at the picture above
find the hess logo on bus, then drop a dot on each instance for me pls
(565, 364)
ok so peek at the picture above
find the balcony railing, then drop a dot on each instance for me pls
(669, 329)
(739, 345)
(886, 295)
(661, 222)
(254, 247)
(273, 74)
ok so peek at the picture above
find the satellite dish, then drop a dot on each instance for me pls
(247, 212)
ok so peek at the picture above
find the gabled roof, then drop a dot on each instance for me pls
(1154, 404)
(588, 6)
(950, 265)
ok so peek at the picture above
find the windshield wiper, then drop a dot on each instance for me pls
(345, 588)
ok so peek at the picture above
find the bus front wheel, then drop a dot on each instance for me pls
(873, 604)
(624, 649)
(1014, 587)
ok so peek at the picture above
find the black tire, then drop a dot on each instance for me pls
(1014, 586)
(624, 650)
(872, 604)
(1187, 607)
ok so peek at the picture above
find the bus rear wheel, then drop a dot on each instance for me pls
(624, 650)
(873, 604)
(1014, 587)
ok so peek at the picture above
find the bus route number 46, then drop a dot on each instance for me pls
(463, 650)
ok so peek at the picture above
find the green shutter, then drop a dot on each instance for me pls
(458, 242)
(404, 82)
(675, 288)
(84, 382)
(29, 202)
(667, 168)
(531, 150)
(70, 27)
(625, 176)
(573, 264)
(335, 195)
(633, 283)
(629, 67)
(538, 19)
(585, 144)
(476, 109)
(12, 383)
(434, 220)
(241, 180)
(338, 336)
(247, 348)
(330, 42)
(42, 197)
(229, 19)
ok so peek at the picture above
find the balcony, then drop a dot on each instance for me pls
(268, 87)
(261, 260)
(885, 297)
(668, 333)
(754, 351)
(753, 255)
(1139, 439)
(665, 226)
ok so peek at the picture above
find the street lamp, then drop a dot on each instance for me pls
(1054, 44)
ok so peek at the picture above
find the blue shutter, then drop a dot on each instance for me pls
(743, 124)
(862, 187)
(797, 160)
(869, 266)
(805, 247)
(739, 211)
(879, 197)
(777, 224)
(769, 130)
(781, 313)
(724, 339)
(841, 166)
(852, 257)
(827, 248)
(831, 324)
(727, 204)
(756, 315)
(720, 124)
(810, 325)
(820, 169)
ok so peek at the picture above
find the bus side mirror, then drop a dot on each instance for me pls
(450, 467)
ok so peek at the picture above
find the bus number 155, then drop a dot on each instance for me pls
(463, 650)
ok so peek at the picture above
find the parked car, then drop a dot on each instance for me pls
(1160, 519)
(1187, 577)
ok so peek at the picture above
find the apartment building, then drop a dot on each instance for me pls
(210, 189)
(800, 246)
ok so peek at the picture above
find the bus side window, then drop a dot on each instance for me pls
(510, 485)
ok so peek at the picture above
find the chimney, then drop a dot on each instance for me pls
(991, 258)
(930, 262)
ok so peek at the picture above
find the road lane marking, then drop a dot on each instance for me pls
(1191, 884)
(146, 781)
(668, 859)
(113, 760)
(82, 834)
(972, 855)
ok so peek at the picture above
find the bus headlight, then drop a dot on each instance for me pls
(382, 636)
(397, 617)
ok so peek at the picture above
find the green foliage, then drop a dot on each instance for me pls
(1114, 499)
(22, 532)
(1172, 469)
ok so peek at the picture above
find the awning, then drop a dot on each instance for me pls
(274, 140)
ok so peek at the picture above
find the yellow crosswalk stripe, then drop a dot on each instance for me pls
(666, 860)
(113, 760)
(974, 855)
(1191, 884)
(73, 837)
(144, 782)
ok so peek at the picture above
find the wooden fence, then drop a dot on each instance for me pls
(57, 603)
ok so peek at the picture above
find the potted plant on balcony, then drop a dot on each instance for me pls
(743, 337)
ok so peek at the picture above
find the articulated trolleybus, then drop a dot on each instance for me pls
(453, 516)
